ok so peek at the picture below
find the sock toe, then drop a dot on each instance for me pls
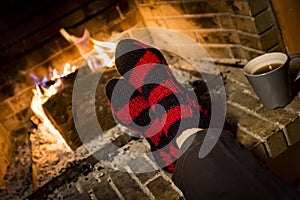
(131, 53)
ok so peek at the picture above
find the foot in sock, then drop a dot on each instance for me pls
(151, 86)
(142, 64)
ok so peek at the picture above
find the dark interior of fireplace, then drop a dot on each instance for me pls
(43, 155)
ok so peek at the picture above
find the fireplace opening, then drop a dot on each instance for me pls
(44, 46)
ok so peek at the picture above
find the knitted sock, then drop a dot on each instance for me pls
(145, 69)
(131, 111)
(141, 64)
(135, 114)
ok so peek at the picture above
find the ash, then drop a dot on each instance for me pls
(50, 156)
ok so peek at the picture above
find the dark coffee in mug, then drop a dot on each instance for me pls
(267, 68)
(270, 82)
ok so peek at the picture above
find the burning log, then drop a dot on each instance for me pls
(53, 98)
(58, 109)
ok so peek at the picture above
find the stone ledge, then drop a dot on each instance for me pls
(275, 130)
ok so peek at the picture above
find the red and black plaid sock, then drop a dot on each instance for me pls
(145, 71)
(133, 112)
(142, 65)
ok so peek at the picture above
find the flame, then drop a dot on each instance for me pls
(97, 53)
(37, 107)
(105, 52)
(43, 91)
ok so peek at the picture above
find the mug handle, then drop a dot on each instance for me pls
(293, 56)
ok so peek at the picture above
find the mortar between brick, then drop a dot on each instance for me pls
(247, 115)
(142, 186)
(278, 116)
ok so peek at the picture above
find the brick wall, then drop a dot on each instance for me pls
(232, 31)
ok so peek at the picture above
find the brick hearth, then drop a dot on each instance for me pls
(264, 132)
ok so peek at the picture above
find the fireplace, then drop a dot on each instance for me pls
(231, 31)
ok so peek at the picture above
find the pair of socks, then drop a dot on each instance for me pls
(149, 100)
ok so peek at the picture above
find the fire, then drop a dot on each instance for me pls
(43, 91)
(98, 55)
(105, 52)
(37, 107)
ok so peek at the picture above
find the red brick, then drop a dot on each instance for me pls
(235, 74)
(292, 134)
(131, 19)
(162, 189)
(172, 9)
(101, 21)
(258, 5)
(218, 37)
(279, 116)
(155, 23)
(247, 140)
(147, 12)
(259, 128)
(226, 21)
(22, 100)
(232, 87)
(294, 105)
(270, 38)
(127, 186)
(6, 144)
(204, 7)
(245, 24)
(278, 48)
(206, 21)
(181, 23)
(238, 52)
(260, 152)
(104, 191)
(217, 51)
(3, 168)
(13, 122)
(245, 100)
(252, 53)
(250, 40)
(4, 135)
(264, 20)
(141, 164)
(127, 6)
(240, 7)
(21, 82)
(41, 53)
(276, 144)
(6, 110)
(143, 1)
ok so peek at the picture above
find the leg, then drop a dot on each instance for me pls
(229, 171)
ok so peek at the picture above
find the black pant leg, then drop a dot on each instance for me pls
(229, 171)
